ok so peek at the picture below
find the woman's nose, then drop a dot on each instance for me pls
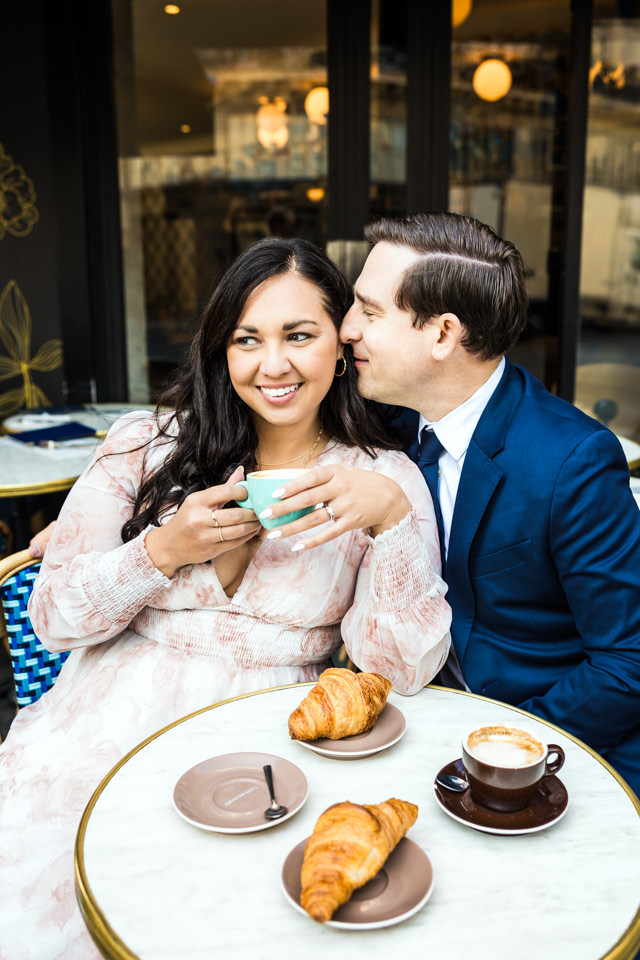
(275, 362)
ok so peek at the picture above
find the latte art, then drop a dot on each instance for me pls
(505, 747)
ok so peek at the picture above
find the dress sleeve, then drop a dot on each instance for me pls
(399, 623)
(91, 584)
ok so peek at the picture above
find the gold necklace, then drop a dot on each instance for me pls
(307, 453)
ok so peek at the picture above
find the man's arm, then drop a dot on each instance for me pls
(595, 545)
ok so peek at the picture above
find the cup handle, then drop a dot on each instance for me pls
(554, 765)
(245, 503)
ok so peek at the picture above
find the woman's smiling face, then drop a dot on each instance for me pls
(282, 354)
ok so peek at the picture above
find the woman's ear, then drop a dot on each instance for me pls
(450, 332)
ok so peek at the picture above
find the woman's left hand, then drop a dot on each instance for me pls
(352, 499)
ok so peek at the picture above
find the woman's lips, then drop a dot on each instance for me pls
(281, 394)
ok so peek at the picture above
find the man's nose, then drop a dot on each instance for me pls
(350, 329)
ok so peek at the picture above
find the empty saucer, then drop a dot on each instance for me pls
(228, 794)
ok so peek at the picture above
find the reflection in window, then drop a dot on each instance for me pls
(608, 372)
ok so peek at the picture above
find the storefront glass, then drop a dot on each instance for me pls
(608, 362)
(222, 133)
(507, 143)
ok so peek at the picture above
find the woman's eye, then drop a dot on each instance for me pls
(245, 341)
(299, 337)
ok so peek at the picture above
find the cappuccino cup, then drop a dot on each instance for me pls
(505, 765)
(260, 486)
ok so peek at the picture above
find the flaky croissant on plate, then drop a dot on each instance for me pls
(349, 845)
(341, 704)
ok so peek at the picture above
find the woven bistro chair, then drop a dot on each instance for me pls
(35, 670)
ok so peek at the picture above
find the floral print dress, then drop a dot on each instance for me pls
(147, 650)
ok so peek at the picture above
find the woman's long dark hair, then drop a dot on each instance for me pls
(215, 429)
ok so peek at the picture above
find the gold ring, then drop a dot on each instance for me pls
(222, 540)
(214, 519)
(332, 515)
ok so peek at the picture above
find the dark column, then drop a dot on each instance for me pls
(568, 196)
(80, 69)
(428, 104)
(348, 28)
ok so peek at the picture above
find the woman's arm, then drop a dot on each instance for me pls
(399, 622)
(91, 584)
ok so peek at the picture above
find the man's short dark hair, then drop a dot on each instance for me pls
(466, 269)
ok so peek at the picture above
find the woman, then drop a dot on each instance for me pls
(171, 596)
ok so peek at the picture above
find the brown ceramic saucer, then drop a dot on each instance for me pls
(386, 731)
(546, 807)
(399, 890)
(228, 794)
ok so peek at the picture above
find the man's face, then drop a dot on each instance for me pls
(391, 356)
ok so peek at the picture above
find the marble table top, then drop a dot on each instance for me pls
(155, 887)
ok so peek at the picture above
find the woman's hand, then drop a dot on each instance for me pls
(202, 528)
(352, 498)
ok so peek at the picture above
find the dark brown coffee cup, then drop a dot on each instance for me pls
(505, 765)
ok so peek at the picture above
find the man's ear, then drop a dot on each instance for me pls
(450, 333)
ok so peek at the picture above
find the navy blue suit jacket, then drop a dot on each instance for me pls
(543, 568)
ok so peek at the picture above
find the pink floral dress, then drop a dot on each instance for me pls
(147, 650)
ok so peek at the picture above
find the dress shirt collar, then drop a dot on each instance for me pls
(454, 431)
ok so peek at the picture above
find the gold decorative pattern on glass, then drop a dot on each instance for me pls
(15, 334)
(18, 211)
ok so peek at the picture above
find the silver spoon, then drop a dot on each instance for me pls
(449, 782)
(276, 810)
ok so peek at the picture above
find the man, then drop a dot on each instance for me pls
(539, 529)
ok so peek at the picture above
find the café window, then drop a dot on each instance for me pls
(222, 140)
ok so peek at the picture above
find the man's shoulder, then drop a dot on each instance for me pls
(539, 408)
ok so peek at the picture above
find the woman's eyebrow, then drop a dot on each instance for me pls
(291, 325)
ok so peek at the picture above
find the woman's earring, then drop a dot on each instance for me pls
(344, 367)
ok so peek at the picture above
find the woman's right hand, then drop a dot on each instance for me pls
(202, 528)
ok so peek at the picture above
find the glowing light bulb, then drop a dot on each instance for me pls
(492, 80)
(316, 105)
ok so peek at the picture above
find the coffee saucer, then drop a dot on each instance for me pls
(388, 729)
(546, 807)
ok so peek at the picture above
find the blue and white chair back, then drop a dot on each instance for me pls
(35, 670)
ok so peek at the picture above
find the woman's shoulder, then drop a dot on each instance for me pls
(143, 426)
(381, 459)
(138, 432)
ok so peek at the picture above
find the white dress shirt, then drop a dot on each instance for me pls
(454, 431)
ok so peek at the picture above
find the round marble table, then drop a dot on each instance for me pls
(154, 887)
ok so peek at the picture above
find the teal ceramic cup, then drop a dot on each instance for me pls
(260, 486)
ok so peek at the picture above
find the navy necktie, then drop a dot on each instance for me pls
(428, 455)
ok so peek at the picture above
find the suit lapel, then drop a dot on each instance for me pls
(478, 482)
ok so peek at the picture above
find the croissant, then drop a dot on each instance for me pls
(341, 704)
(349, 845)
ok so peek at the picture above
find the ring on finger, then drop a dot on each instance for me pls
(214, 519)
(327, 507)
(222, 540)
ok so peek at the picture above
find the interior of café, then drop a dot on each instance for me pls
(145, 145)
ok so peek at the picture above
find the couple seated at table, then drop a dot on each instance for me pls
(175, 597)
(170, 596)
